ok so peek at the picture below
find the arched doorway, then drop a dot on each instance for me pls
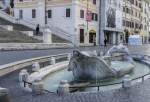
(92, 36)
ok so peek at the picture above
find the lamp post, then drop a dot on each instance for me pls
(87, 15)
(99, 22)
(45, 14)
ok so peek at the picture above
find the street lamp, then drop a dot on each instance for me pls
(87, 14)
(45, 13)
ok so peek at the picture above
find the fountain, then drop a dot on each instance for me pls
(87, 66)
(85, 71)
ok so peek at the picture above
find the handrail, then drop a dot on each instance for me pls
(58, 31)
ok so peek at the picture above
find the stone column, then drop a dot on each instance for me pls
(38, 87)
(47, 36)
(23, 75)
(75, 20)
(114, 38)
(53, 60)
(69, 56)
(126, 81)
(63, 88)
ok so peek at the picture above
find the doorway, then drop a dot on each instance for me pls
(92, 37)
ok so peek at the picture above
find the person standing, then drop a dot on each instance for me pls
(105, 42)
(12, 7)
(37, 29)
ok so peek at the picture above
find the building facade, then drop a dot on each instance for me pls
(111, 21)
(145, 21)
(77, 17)
(136, 18)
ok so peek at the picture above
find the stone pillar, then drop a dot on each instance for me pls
(38, 87)
(75, 20)
(4, 95)
(53, 60)
(47, 36)
(23, 75)
(126, 81)
(69, 56)
(36, 67)
(101, 37)
(63, 88)
(95, 53)
(114, 38)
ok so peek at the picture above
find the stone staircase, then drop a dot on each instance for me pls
(19, 26)
(15, 37)
(23, 25)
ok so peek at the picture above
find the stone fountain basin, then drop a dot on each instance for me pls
(122, 67)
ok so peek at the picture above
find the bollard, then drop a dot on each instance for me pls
(4, 95)
(126, 81)
(36, 67)
(95, 53)
(53, 61)
(69, 56)
(63, 88)
(101, 53)
(23, 75)
(38, 87)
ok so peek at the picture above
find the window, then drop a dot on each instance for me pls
(81, 13)
(81, 35)
(94, 16)
(33, 13)
(20, 14)
(94, 2)
(68, 12)
(49, 13)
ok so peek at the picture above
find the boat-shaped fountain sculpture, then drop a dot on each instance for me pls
(87, 66)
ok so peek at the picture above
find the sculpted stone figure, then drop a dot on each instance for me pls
(87, 66)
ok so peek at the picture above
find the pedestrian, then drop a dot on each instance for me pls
(94, 40)
(12, 7)
(105, 42)
(37, 29)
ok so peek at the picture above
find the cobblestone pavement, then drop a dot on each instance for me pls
(137, 93)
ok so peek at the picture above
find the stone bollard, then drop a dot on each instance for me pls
(63, 88)
(4, 95)
(69, 56)
(23, 75)
(126, 81)
(95, 53)
(101, 53)
(36, 67)
(53, 61)
(38, 87)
